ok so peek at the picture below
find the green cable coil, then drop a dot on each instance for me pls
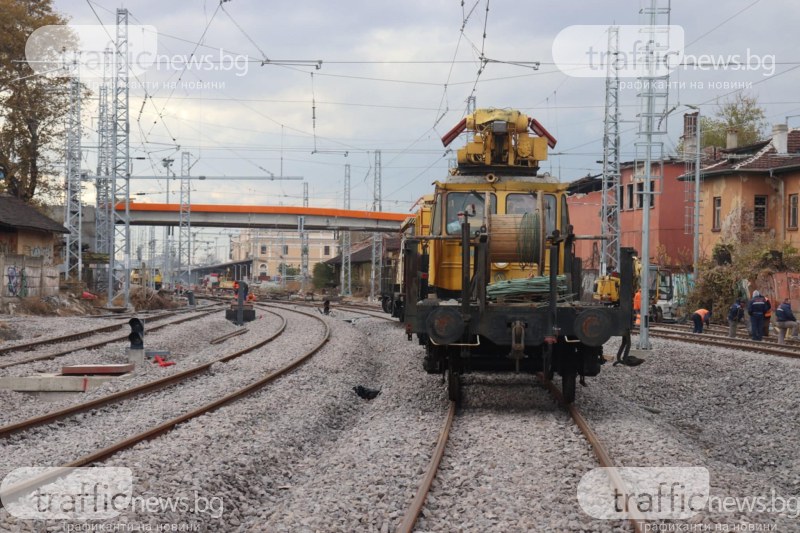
(529, 239)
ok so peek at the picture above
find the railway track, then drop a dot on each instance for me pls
(10, 429)
(67, 338)
(163, 427)
(600, 451)
(791, 349)
(373, 312)
(27, 346)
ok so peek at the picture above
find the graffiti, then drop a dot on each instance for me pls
(17, 281)
(45, 252)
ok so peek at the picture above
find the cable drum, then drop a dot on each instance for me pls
(515, 238)
(529, 239)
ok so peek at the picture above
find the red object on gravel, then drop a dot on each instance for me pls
(158, 359)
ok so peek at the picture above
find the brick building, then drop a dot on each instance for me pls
(670, 244)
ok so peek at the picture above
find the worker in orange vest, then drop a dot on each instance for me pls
(701, 317)
(767, 317)
(637, 306)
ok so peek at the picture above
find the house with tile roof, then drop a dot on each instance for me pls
(752, 191)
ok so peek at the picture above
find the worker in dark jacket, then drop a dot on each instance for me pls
(735, 315)
(785, 320)
(757, 308)
(700, 317)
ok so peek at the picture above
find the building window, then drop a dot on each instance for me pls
(621, 198)
(630, 196)
(793, 211)
(717, 213)
(285, 249)
(652, 193)
(639, 195)
(327, 250)
(760, 212)
(263, 249)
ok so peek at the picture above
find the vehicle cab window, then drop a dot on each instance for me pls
(459, 201)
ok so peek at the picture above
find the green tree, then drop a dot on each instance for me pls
(32, 107)
(323, 276)
(291, 270)
(741, 113)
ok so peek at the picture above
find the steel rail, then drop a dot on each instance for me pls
(150, 386)
(156, 431)
(414, 510)
(600, 452)
(343, 307)
(700, 338)
(82, 334)
(102, 343)
(223, 338)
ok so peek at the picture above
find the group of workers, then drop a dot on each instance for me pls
(759, 309)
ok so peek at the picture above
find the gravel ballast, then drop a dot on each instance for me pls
(307, 454)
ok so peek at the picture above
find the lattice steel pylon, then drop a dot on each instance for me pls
(609, 214)
(120, 278)
(648, 167)
(185, 222)
(104, 223)
(72, 206)
(346, 274)
(377, 238)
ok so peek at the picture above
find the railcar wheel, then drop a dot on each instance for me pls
(568, 387)
(386, 304)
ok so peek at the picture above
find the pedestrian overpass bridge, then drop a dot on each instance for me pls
(264, 216)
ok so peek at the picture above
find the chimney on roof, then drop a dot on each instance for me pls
(780, 138)
(732, 140)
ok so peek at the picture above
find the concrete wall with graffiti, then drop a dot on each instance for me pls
(36, 244)
(25, 276)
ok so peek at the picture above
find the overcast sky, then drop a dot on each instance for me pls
(395, 77)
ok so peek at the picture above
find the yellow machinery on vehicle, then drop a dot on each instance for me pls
(138, 279)
(489, 277)
(606, 290)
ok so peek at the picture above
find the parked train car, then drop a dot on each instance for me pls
(489, 279)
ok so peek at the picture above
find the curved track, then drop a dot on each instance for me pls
(166, 426)
(25, 425)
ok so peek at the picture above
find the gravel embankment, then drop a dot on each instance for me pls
(731, 411)
(513, 463)
(187, 342)
(55, 444)
(306, 454)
